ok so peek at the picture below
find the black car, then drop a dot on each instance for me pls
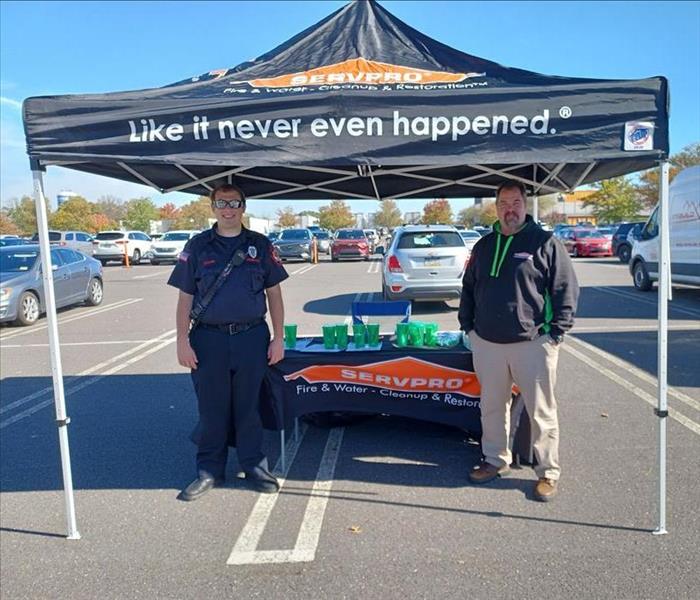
(621, 246)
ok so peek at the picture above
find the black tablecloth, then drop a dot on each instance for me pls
(437, 385)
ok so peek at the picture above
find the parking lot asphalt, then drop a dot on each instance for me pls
(380, 509)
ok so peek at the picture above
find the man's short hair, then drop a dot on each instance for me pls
(227, 187)
(512, 185)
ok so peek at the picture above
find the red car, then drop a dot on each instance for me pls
(586, 242)
(349, 243)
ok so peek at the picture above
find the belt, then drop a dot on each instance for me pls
(232, 328)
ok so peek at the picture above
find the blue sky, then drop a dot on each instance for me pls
(51, 48)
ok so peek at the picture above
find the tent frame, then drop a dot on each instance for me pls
(664, 286)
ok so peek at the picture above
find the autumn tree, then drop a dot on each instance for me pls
(470, 216)
(112, 207)
(100, 222)
(139, 214)
(74, 213)
(615, 199)
(336, 216)
(168, 212)
(388, 215)
(194, 215)
(7, 225)
(23, 214)
(437, 211)
(286, 217)
(648, 187)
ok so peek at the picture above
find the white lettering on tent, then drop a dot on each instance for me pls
(353, 126)
(439, 126)
(245, 129)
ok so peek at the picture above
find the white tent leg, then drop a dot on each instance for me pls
(56, 368)
(664, 289)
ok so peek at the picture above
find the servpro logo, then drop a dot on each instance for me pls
(360, 70)
(406, 374)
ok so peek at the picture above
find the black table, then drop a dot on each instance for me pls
(437, 385)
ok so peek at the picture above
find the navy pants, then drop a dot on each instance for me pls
(227, 380)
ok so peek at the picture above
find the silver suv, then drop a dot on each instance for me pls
(424, 262)
(77, 240)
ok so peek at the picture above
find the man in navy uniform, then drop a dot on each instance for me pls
(229, 349)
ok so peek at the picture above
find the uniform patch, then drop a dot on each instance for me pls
(252, 251)
(184, 257)
(523, 255)
(275, 255)
(206, 263)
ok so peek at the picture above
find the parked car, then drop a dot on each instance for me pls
(78, 240)
(560, 229)
(482, 231)
(323, 239)
(470, 237)
(294, 243)
(424, 262)
(168, 248)
(273, 235)
(349, 243)
(586, 242)
(11, 240)
(373, 239)
(109, 246)
(77, 278)
(607, 232)
(684, 234)
(621, 246)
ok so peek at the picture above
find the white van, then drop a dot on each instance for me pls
(684, 226)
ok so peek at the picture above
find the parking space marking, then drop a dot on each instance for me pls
(83, 315)
(640, 393)
(83, 384)
(310, 531)
(253, 529)
(64, 344)
(623, 294)
(621, 328)
(150, 275)
(374, 267)
(303, 270)
(630, 368)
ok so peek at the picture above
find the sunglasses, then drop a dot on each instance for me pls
(228, 203)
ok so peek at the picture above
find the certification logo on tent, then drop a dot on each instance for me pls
(406, 374)
(639, 135)
(362, 71)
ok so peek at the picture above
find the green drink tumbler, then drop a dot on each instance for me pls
(359, 335)
(430, 337)
(373, 334)
(329, 337)
(402, 335)
(290, 336)
(341, 335)
(415, 333)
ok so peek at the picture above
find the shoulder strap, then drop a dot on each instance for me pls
(198, 309)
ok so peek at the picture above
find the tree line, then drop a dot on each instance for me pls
(612, 200)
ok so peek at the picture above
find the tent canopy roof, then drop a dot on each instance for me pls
(359, 105)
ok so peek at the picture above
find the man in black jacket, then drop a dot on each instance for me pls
(519, 297)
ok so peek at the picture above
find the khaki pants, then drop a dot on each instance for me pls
(532, 366)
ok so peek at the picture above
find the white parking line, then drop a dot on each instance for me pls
(303, 270)
(83, 384)
(648, 398)
(65, 344)
(630, 368)
(150, 275)
(374, 267)
(649, 301)
(304, 550)
(83, 315)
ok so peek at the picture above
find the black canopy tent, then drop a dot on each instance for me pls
(358, 106)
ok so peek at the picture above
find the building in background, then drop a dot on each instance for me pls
(306, 221)
(63, 196)
(412, 218)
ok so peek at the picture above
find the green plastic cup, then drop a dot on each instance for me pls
(430, 336)
(341, 335)
(402, 335)
(329, 337)
(416, 331)
(290, 336)
(373, 334)
(359, 335)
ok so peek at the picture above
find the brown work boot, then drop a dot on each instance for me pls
(485, 472)
(545, 489)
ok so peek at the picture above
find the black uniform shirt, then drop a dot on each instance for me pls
(241, 298)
